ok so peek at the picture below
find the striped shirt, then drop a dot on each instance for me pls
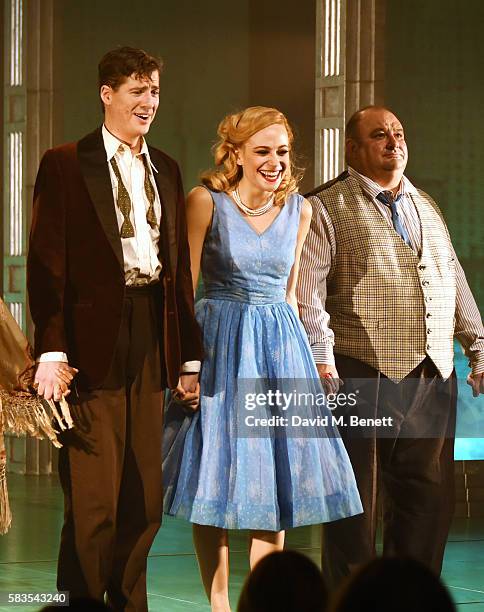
(320, 247)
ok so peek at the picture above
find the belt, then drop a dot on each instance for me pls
(148, 289)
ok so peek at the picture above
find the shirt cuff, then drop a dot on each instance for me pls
(477, 363)
(191, 367)
(53, 356)
(323, 353)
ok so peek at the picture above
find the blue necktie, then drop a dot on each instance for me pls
(386, 197)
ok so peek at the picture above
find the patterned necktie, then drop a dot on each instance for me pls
(150, 194)
(124, 203)
(386, 197)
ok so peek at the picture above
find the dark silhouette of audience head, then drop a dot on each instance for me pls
(284, 581)
(393, 585)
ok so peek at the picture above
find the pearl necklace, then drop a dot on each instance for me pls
(252, 212)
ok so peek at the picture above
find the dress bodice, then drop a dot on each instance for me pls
(240, 264)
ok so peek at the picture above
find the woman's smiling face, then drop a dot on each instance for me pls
(264, 158)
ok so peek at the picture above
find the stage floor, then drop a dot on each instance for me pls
(28, 553)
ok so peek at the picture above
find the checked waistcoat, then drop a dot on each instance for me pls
(389, 306)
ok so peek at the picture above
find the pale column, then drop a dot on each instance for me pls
(14, 204)
(365, 53)
(29, 131)
(14, 220)
(349, 73)
(330, 88)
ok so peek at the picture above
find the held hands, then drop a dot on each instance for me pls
(476, 381)
(187, 393)
(52, 379)
(329, 377)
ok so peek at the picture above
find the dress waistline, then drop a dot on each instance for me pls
(245, 296)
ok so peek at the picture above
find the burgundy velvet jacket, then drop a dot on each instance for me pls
(75, 273)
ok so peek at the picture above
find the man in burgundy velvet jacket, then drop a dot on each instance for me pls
(111, 295)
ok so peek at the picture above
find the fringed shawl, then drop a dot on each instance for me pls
(21, 411)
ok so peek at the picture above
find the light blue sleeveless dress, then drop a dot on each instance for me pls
(239, 477)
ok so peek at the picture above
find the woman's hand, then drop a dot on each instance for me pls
(292, 301)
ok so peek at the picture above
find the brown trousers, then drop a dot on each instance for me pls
(410, 470)
(110, 467)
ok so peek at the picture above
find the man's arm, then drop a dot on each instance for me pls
(46, 270)
(304, 225)
(190, 337)
(317, 253)
(469, 330)
(46, 261)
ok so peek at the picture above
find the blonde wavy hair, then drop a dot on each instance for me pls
(233, 131)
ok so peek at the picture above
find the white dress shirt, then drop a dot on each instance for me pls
(140, 253)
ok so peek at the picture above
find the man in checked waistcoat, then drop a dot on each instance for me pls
(382, 296)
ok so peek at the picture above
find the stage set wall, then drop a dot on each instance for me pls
(433, 62)
(221, 56)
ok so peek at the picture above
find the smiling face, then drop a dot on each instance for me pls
(130, 109)
(378, 149)
(264, 158)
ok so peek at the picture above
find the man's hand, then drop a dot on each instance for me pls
(52, 379)
(187, 392)
(329, 377)
(476, 381)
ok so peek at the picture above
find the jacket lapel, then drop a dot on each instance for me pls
(95, 172)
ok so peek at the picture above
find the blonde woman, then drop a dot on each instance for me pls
(246, 228)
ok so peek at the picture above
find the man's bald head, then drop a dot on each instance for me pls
(353, 124)
(375, 145)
